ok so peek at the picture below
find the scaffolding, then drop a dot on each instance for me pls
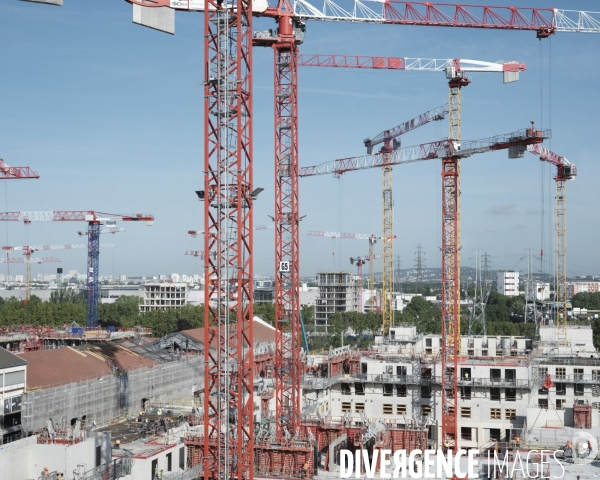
(105, 399)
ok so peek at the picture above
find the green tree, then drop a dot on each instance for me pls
(589, 300)
(63, 295)
(422, 313)
(266, 311)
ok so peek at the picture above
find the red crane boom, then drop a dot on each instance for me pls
(14, 173)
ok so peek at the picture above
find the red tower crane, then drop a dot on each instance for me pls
(565, 170)
(449, 151)
(94, 220)
(236, 63)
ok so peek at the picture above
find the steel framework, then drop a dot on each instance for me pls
(288, 366)
(388, 138)
(29, 250)
(228, 204)
(450, 155)
(451, 271)
(94, 220)
(15, 173)
(565, 170)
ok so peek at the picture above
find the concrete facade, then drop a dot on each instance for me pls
(508, 283)
(337, 294)
(25, 459)
(500, 382)
(580, 287)
(163, 296)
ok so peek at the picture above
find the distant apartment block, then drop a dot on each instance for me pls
(337, 293)
(508, 283)
(163, 295)
(579, 287)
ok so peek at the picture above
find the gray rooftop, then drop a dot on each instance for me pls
(8, 359)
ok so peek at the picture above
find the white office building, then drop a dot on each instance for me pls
(508, 283)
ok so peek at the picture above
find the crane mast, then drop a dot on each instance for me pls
(388, 138)
(451, 269)
(565, 170)
(544, 22)
(228, 204)
(288, 366)
(373, 297)
(387, 243)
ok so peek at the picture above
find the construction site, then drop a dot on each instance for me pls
(241, 398)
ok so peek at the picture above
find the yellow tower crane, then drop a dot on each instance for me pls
(565, 170)
(391, 142)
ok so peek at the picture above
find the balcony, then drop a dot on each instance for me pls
(494, 382)
(577, 378)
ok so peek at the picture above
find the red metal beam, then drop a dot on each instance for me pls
(288, 367)
(7, 172)
(540, 20)
(228, 205)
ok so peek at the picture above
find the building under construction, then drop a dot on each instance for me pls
(337, 294)
(515, 392)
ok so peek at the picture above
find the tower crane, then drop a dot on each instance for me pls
(389, 139)
(565, 170)
(228, 40)
(28, 250)
(28, 260)
(94, 220)
(456, 72)
(360, 261)
(450, 151)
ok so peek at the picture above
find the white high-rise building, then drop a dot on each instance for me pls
(508, 283)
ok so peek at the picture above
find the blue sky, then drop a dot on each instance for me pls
(110, 114)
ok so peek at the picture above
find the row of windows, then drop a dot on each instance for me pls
(358, 407)
(509, 414)
(465, 412)
(561, 372)
(387, 408)
(389, 390)
(561, 389)
(543, 403)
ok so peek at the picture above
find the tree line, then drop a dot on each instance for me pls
(65, 307)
